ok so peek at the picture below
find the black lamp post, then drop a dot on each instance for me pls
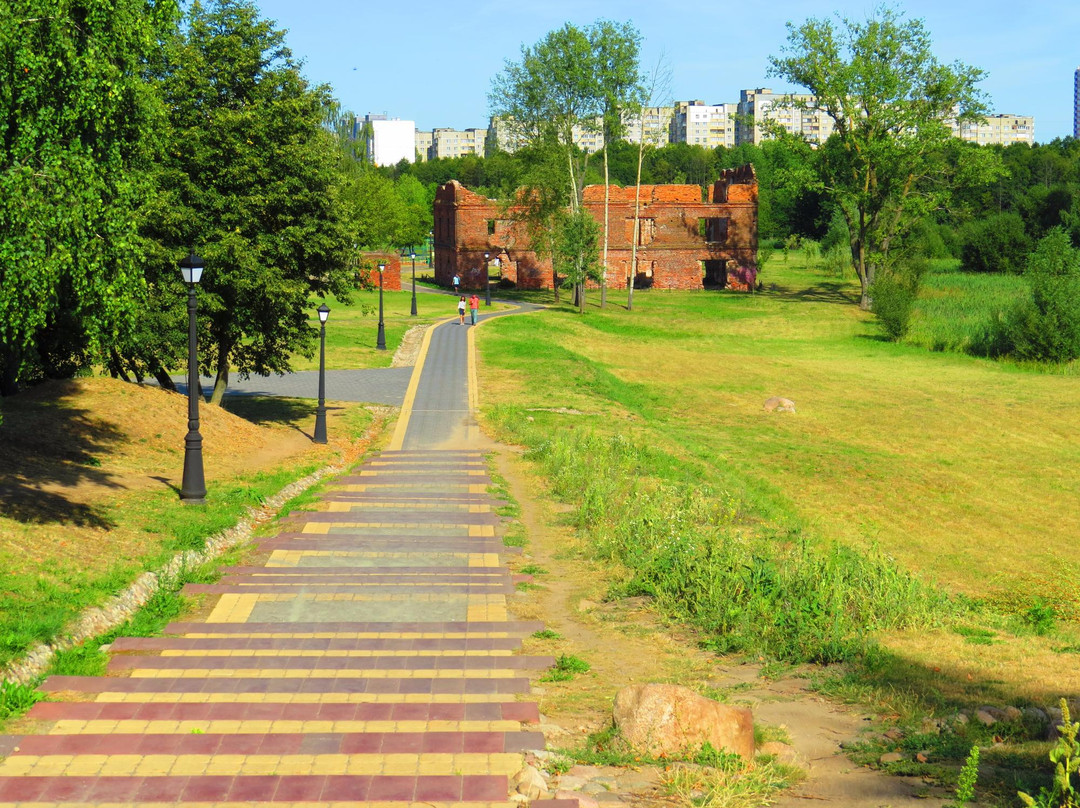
(412, 255)
(320, 411)
(193, 485)
(487, 280)
(380, 343)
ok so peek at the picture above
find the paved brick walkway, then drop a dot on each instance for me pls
(366, 657)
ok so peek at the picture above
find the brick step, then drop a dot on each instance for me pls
(455, 574)
(520, 711)
(283, 743)
(396, 517)
(350, 629)
(190, 684)
(362, 665)
(384, 644)
(328, 588)
(402, 545)
(269, 788)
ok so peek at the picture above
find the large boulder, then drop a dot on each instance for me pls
(670, 721)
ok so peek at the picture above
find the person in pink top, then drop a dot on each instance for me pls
(474, 307)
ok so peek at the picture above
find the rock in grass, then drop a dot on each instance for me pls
(673, 721)
(777, 404)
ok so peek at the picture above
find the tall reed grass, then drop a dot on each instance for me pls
(707, 557)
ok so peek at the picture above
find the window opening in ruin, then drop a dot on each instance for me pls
(646, 231)
(491, 227)
(714, 230)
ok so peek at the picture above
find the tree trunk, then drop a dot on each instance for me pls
(607, 202)
(164, 379)
(221, 383)
(637, 219)
(9, 372)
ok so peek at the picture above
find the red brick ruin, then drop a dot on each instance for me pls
(683, 242)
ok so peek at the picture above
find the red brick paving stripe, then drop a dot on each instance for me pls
(410, 497)
(311, 684)
(290, 743)
(266, 788)
(316, 644)
(359, 542)
(523, 711)
(385, 663)
(405, 627)
(554, 804)
(386, 477)
(340, 576)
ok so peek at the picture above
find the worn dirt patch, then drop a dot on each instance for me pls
(624, 642)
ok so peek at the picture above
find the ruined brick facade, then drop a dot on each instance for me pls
(683, 241)
(369, 270)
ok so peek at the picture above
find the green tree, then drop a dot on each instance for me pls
(616, 49)
(79, 120)
(891, 101)
(252, 181)
(1047, 327)
(576, 251)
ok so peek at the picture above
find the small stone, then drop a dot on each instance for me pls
(961, 718)
(530, 783)
(778, 404)
(893, 734)
(783, 752)
(890, 757)
(985, 718)
(922, 757)
(572, 783)
(1011, 713)
(583, 800)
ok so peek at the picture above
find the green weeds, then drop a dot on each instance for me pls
(566, 667)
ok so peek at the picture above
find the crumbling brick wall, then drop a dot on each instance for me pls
(369, 270)
(684, 241)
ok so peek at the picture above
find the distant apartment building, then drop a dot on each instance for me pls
(1002, 130)
(760, 105)
(389, 140)
(423, 145)
(503, 134)
(707, 125)
(1076, 103)
(653, 125)
(710, 125)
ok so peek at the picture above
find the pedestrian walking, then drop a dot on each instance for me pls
(461, 310)
(457, 283)
(474, 307)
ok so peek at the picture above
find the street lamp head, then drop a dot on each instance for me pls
(486, 255)
(324, 312)
(192, 268)
(382, 268)
(412, 254)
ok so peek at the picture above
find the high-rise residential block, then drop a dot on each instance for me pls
(706, 125)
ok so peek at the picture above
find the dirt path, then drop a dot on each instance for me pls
(624, 642)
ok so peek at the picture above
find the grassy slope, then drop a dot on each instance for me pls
(962, 468)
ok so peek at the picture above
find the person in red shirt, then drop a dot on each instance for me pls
(474, 307)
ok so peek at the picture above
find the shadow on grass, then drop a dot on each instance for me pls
(263, 410)
(825, 292)
(47, 443)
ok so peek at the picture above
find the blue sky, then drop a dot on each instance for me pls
(433, 62)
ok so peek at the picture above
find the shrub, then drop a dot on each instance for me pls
(894, 291)
(1047, 328)
(997, 243)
